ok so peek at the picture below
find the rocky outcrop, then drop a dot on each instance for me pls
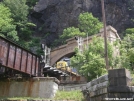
(52, 16)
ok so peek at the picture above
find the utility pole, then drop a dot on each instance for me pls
(105, 35)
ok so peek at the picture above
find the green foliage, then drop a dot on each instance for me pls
(91, 62)
(89, 24)
(18, 8)
(34, 43)
(30, 24)
(69, 95)
(19, 12)
(7, 28)
(127, 50)
(71, 32)
(129, 31)
(31, 3)
(25, 34)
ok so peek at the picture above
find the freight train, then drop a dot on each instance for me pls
(18, 61)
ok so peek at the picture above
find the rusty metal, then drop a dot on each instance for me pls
(39, 69)
(18, 58)
(26, 62)
(21, 59)
(31, 64)
(15, 59)
(23, 64)
(35, 66)
(8, 50)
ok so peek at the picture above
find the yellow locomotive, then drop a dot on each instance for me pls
(64, 65)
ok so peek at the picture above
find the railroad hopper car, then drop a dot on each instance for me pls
(17, 60)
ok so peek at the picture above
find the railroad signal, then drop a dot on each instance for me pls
(42, 46)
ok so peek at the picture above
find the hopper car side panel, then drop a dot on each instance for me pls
(33, 65)
(3, 51)
(29, 63)
(11, 56)
(37, 65)
(17, 58)
(23, 62)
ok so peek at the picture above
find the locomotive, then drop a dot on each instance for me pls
(64, 65)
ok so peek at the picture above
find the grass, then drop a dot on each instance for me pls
(60, 95)
(69, 95)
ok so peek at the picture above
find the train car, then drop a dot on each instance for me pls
(17, 60)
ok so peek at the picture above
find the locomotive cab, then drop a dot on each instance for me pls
(63, 65)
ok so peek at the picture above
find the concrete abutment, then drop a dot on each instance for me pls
(38, 87)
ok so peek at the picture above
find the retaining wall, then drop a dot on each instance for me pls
(72, 87)
(116, 85)
(39, 87)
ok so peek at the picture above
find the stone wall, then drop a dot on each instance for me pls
(116, 85)
(39, 87)
(72, 87)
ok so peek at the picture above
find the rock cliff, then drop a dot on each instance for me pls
(52, 16)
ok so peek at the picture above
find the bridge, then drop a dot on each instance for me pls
(67, 50)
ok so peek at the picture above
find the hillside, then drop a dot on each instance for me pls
(52, 16)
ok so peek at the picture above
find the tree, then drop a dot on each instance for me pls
(71, 32)
(129, 31)
(19, 12)
(89, 24)
(32, 3)
(127, 50)
(91, 62)
(7, 28)
(18, 8)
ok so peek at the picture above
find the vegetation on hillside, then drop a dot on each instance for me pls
(88, 25)
(14, 23)
(91, 62)
(7, 27)
(127, 50)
